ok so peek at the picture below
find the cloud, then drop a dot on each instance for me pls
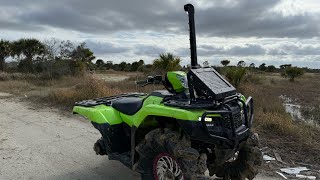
(17, 26)
(148, 50)
(237, 50)
(101, 48)
(247, 50)
(230, 19)
(294, 49)
(255, 50)
(256, 18)
(128, 30)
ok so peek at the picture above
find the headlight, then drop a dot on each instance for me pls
(242, 114)
(207, 119)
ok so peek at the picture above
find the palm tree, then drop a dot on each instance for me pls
(29, 48)
(82, 53)
(167, 62)
(5, 48)
(225, 62)
(241, 64)
(252, 66)
(81, 59)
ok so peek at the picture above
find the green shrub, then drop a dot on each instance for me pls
(235, 75)
(292, 73)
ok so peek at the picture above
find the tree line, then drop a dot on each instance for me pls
(55, 58)
(236, 73)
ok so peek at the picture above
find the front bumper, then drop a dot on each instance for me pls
(229, 137)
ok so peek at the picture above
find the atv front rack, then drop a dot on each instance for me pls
(106, 100)
(238, 132)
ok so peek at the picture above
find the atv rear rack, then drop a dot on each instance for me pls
(238, 133)
(106, 100)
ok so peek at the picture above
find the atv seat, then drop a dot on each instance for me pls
(128, 105)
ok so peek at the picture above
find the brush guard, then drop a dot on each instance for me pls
(238, 133)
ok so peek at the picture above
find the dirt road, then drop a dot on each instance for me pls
(43, 143)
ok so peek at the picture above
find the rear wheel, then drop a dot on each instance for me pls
(168, 155)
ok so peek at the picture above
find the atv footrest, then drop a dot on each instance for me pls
(124, 158)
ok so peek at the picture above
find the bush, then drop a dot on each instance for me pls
(166, 62)
(89, 88)
(292, 73)
(18, 76)
(235, 75)
(252, 77)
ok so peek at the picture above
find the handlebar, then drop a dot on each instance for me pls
(151, 80)
(142, 82)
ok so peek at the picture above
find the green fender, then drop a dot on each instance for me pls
(152, 107)
(99, 114)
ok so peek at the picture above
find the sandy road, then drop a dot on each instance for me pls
(46, 144)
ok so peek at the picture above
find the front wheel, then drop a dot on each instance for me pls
(245, 166)
(167, 155)
(166, 167)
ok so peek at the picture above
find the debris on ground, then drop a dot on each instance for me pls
(278, 157)
(295, 170)
(274, 164)
(282, 175)
(268, 158)
(300, 176)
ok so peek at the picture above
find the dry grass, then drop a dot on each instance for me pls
(69, 90)
(16, 87)
(17, 76)
(296, 141)
(88, 88)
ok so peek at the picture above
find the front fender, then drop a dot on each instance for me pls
(99, 114)
(163, 111)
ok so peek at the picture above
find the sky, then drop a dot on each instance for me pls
(274, 32)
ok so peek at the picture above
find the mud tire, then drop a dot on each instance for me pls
(245, 166)
(157, 142)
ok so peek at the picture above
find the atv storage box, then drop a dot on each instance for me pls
(208, 84)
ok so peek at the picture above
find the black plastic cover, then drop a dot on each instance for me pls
(207, 83)
(128, 105)
(107, 100)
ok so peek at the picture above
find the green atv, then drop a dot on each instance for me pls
(200, 122)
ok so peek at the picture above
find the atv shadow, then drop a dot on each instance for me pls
(106, 170)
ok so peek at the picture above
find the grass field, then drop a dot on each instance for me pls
(295, 140)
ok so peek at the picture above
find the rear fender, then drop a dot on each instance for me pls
(99, 114)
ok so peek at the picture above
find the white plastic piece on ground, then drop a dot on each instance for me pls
(295, 170)
(282, 175)
(268, 158)
(2, 94)
(278, 157)
(306, 177)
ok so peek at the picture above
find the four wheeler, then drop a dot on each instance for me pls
(200, 122)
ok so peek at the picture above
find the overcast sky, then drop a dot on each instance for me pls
(256, 31)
